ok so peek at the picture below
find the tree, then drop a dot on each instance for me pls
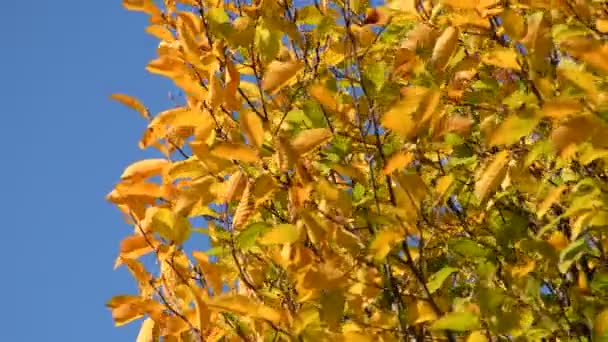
(372, 171)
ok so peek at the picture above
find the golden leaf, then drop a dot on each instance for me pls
(280, 74)
(558, 108)
(211, 271)
(143, 169)
(399, 117)
(215, 97)
(422, 311)
(245, 306)
(310, 139)
(492, 176)
(146, 6)
(132, 103)
(513, 23)
(133, 247)
(397, 161)
(146, 332)
(444, 47)
(160, 32)
(235, 151)
(233, 79)
(324, 97)
(252, 127)
(234, 186)
(558, 240)
(477, 336)
(503, 58)
(602, 25)
(245, 208)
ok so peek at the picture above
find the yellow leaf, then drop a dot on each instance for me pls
(399, 117)
(513, 128)
(461, 4)
(558, 240)
(492, 176)
(558, 108)
(132, 103)
(309, 139)
(503, 58)
(421, 312)
(245, 208)
(444, 47)
(160, 32)
(477, 336)
(233, 186)
(133, 247)
(233, 79)
(397, 161)
(245, 306)
(143, 169)
(146, 6)
(581, 78)
(210, 270)
(324, 97)
(167, 66)
(551, 197)
(146, 332)
(235, 151)
(384, 241)
(513, 23)
(252, 127)
(215, 97)
(280, 234)
(602, 25)
(600, 326)
(280, 74)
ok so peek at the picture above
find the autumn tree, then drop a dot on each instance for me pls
(372, 171)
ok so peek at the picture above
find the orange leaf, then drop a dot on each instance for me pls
(132, 103)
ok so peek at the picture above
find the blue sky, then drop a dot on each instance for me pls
(64, 145)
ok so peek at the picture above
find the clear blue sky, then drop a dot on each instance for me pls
(64, 144)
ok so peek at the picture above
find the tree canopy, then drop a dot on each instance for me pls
(371, 171)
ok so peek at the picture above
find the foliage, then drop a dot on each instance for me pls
(372, 172)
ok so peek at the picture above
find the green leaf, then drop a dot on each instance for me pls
(248, 236)
(267, 41)
(467, 247)
(456, 321)
(571, 253)
(332, 307)
(171, 226)
(600, 282)
(437, 279)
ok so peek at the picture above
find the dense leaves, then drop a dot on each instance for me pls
(371, 171)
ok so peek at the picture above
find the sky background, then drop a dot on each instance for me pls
(64, 146)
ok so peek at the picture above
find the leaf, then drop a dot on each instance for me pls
(503, 58)
(571, 254)
(248, 236)
(477, 336)
(211, 271)
(146, 332)
(134, 246)
(492, 176)
(252, 127)
(456, 321)
(577, 75)
(132, 103)
(397, 161)
(467, 248)
(310, 139)
(171, 226)
(600, 326)
(146, 6)
(235, 151)
(280, 234)
(245, 306)
(384, 241)
(436, 279)
(399, 117)
(551, 197)
(514, 25)
(280, 74)
(422, 311)
(444, 47)
(332, 307)
(558, 108)
(513, 128)
(144, 169)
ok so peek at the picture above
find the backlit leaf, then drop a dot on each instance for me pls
(279, 74)
(436, 279)
(132, 103)
(280, 234)
(456, 321)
